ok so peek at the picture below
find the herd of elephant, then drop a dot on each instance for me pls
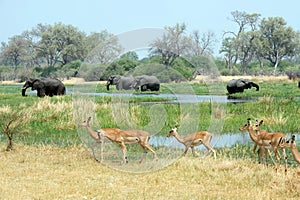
(144, 82)
(51, 87)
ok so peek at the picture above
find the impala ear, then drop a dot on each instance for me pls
(249, 121)
(261, 122)
(293, 138)
(89, 119)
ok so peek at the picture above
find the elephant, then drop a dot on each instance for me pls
(45, 86)
(239, 85)
(121, 82)
(146, 83)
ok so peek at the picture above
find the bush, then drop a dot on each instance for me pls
(71, 69)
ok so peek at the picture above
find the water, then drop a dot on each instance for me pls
(176, 98)
(218, 141)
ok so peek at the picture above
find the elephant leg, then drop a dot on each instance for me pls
(40, 93)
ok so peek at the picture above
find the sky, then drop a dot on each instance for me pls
(117, 17)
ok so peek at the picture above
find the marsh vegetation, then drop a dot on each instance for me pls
(47, 137)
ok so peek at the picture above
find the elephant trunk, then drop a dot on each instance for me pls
(23, 91)
(107, 85)
(256, 86)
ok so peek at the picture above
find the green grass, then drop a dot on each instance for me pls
(274, 89)
(51, 120)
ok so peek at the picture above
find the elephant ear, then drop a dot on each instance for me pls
(37, 83)
(30, 80)
(240, 83)
(117, 79)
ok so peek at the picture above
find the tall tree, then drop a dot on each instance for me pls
(60, 44)
(239, 45)
(14, 53)
(102, 48)
(173, 44)
(278, 40)
(202, 43)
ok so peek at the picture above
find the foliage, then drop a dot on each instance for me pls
(92, 72)
(131, 55)
(102, 48)
(269, 39)
(60, 51)
(173, 44)
(276, 33)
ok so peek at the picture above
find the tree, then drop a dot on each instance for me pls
(11, 124)
(173, 44)
(131, 55)
(60, 44)
(239, 46)
(247, 48)
(102, 48)
(14, 53)
(278, 40)
(228, 50)
(202, 43)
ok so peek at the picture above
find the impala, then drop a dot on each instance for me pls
(262, 134)
(121, 137)
(195, 139)
(291, 144)
(268, 141)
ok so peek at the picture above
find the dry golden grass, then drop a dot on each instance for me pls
(48, 172)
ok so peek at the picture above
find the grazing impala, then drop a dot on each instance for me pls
(267, 141)
(291, 144)
(195, 139)
(121, 137)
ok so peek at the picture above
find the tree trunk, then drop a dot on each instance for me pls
(276, 63)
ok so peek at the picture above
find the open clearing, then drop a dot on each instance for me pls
(47, 172)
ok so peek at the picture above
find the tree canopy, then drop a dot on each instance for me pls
(59, 50)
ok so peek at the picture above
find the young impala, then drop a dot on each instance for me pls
(261, 134)
(268, 141)
(195, 139)
(291, 144)
(121, 137)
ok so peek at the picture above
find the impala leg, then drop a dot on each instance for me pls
(277, 154)
(260, 153)
(123, 147)
(266, 155)
(209, 147)
(143, 154)
(277, 157)
(276, 165)
(101, 151)
(152, 150)
(253, 150)
(194, 153)
(285, 161)
(185, 151)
